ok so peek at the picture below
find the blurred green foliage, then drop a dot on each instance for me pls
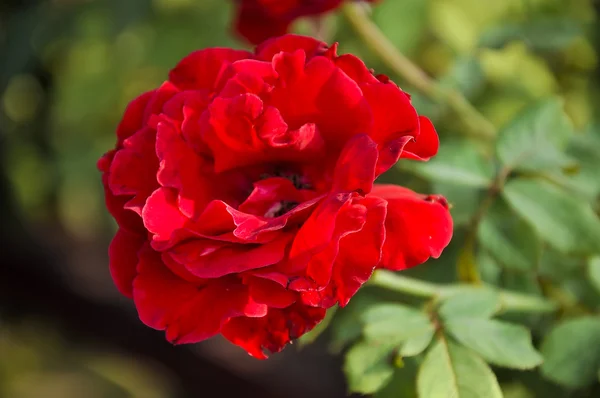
(530, 67)
(525, 208)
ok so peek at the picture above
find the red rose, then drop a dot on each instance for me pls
(258, 20)
(243, 189)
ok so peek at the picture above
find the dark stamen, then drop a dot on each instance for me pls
(296, 179)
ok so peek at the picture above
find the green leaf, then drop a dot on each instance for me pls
(453, 371)
(523, 282)
(459, 163)
(539, 34)
(489, 268)
(346, 326)
(586, 149)
(402, 21)
(557, 266)
(416, 345)
(536, 138)
(466, 76)
(477, 302)
(368, 366)
(568, 224)
(464, 200)
(402, 384)
(500, 343)
(395, 323)
(453, 26)
(594, 272)
(509, 238)
(572, 352)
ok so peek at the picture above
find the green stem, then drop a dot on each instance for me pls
(510, 301)
(475, 122)
(399, 283)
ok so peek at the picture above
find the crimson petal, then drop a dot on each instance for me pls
(274, 331)
(417, 226)
(289, 43)
(425, 145)
(201, 69)
(123, 259)
(187, 312)
(355, 168)
(354, 267)
(224, 259)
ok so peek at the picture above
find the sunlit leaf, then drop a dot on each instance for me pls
(395, 323)
(416, 345)
(458, 163)
(464, 200)
(568, 224)
(346, 325)
(539, 33)
(402, 21)
(509, 238)
(465, 76)
(473, 303)
(572, 352)
(535, 140)
(368, 366)
(594, 272)
(450, 370)
(500, 343)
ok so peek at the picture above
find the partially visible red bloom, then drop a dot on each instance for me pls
(258, 20)
(243, 189)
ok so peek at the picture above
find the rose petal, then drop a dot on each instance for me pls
(289, 43)
(417, 226)
(350, 219)
(161, 214)
(123, 259)
(116, 204)
(180, 270)
(354, 68)
(355, 168)
(187, 312)
(160, 96)
(201, 69)
(225, 259)
(425, 145)
(133, 169)
(395, 121)
(248, 76)
(353, 267)
(393, 114)
(270, 293)
(271, 192)
(182, 169)
(255, 24)
(274, 331)
(329, 98)
(133, 118)
(317, 230)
